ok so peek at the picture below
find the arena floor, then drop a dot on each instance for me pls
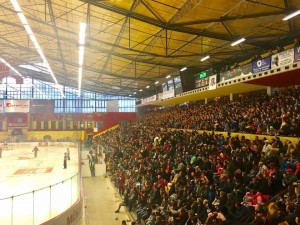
(22, 173)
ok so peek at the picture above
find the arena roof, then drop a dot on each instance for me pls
(131, 43)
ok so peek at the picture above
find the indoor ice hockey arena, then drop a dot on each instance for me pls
(149, 112)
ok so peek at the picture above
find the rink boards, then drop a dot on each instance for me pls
(35, 190)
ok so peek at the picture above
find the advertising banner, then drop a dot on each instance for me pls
(236, 72)
(1, 106)
(12, 106)
(168, 94)
(297, 54)
(159, 96)
(149, 99)
(282, 58)
(213, 82)
(42, 106)
(261, 65)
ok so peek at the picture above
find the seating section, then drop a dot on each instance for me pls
(255, 114)
(175, 176)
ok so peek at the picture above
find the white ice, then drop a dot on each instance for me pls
(41, 202)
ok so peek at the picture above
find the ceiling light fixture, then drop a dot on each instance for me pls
(238, 42)
(168, 76)
(141, 89)
(20, 75)
(291, 15)
(205, 58)
(183, 69)
(33, 39)
(81, 54)
(148, 86)
(134, 93)
(129, 95)
(16, 5)
(156, 82)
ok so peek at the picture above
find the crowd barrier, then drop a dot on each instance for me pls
(251, 137)
(103, 132)
(20, 145)
(59, 203)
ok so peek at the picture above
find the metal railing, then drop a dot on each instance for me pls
(40, 205)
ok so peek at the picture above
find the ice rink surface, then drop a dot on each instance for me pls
(22, 173)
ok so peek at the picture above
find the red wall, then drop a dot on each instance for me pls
(112, 119)
(12, 116)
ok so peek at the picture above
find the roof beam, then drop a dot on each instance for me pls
(118, 39)
(89, 39)
(152, 11)
(102, 50)
(225, 18)
(18, 47)
(56, 33)
(157, 23)
(291, 28)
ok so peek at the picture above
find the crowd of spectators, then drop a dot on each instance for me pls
(255, 114)
(177, 177)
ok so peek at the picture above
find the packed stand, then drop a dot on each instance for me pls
(255, 114)
(184, 178)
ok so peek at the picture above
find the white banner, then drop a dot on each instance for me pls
(282, 58)
(168, 94)
(149, 99)
(213, 82)
(1, 106)
(12, 106)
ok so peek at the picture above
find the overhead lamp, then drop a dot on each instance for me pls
(129, 95)
(141, 90)
(81, 54)
(82, 33)
(134, 93)
(238, 41)
(16, 5)
(33, 39)
(28, 29)
(148, 86)
(22, 18)
(205, 58)
(168, 76)
(291, 15)
(156, 82)
(183, 69)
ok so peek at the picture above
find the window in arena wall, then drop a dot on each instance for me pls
(81, 124)
(75, 125)
(68, 125)
(38, 125)
(46, 125)
(89, 124)
(60, 125)
(53, 125)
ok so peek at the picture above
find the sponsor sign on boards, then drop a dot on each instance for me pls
(213, 82)
(17, 106)
(282, 58)
(261, 65)
(297, 53)
(168, 94)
